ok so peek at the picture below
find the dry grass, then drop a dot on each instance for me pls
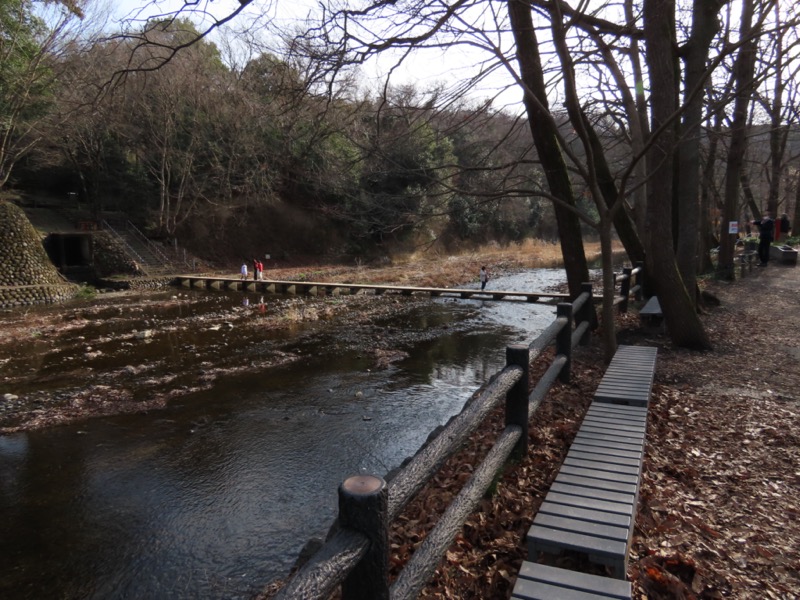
(434, 269)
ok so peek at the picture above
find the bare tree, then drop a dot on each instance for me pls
(30, 43)
(555, 45)
(743, 90)
(659, 25)
(704, 27)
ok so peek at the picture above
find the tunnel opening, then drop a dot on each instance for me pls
(72, 254)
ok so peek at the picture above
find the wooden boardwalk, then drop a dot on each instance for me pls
(316, 288)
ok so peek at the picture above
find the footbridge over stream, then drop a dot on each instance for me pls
(315, 288)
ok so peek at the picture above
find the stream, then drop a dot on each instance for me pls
(215, 495)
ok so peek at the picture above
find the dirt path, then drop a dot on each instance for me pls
(719, 503)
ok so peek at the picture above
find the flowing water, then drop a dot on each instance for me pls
(215, 495)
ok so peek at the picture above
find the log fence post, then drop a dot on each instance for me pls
(517, 397)
(640, 281)
(586, 313)
(625, 288)
(363, 507)
(564, 339)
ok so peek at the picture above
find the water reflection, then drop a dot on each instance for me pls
(214, 496)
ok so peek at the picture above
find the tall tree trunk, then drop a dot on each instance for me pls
(749, 198)
(628, 229)
(545, 137)
(683, 322)
(743, 69)
(795, 222)
(695, 55)
(639, 200)
(709, 198)
(623, 221)
(778, 132)
(597, 174)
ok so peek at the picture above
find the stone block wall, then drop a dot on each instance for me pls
(27, 276)
(110, 257)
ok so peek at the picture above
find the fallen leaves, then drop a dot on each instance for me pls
(719, 508)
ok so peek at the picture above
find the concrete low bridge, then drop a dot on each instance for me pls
(316, 288)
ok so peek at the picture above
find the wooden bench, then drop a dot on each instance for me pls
(542, 582)
(591, 505)
(650, 313)
(629, 377)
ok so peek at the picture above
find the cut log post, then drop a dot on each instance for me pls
(564, 339)
(363, 507)
(517, 397)
(625, 288)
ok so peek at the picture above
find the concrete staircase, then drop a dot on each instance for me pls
(153, 259)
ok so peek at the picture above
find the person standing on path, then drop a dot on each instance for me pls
(255, 269)
(786, 225)
(766, 233)
(484, 277)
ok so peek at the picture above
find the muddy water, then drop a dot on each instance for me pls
(214, 496)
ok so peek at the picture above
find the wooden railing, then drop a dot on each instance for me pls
(631, 283)
(356, 556)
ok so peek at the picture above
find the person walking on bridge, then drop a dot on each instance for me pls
(243, 270)
(484, 277)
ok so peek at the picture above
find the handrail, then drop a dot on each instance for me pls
(425, 560)
(148, 243)
(412, 478)
(141, 263)
(327, 568)
(349, 549)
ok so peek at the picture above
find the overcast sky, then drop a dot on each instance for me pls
(423, 70)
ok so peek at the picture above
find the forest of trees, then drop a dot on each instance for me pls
(654, 121)
(234, 156)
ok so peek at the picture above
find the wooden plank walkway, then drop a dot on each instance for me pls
(591, 505)
(542, 582)
(317, 288)
(629, 377)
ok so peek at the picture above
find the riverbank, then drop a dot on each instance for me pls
(718, 514)
(119, 345)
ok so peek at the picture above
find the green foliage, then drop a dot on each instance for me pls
(25, 84)
(502, 219)
(86, 292)
(19, 30)
(195, 147)
(165, 34)
(401, 177)
(790, 241)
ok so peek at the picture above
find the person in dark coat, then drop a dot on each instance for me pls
(766, 233)
(786, 226)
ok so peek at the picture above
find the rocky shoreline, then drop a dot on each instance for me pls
(75, 335)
